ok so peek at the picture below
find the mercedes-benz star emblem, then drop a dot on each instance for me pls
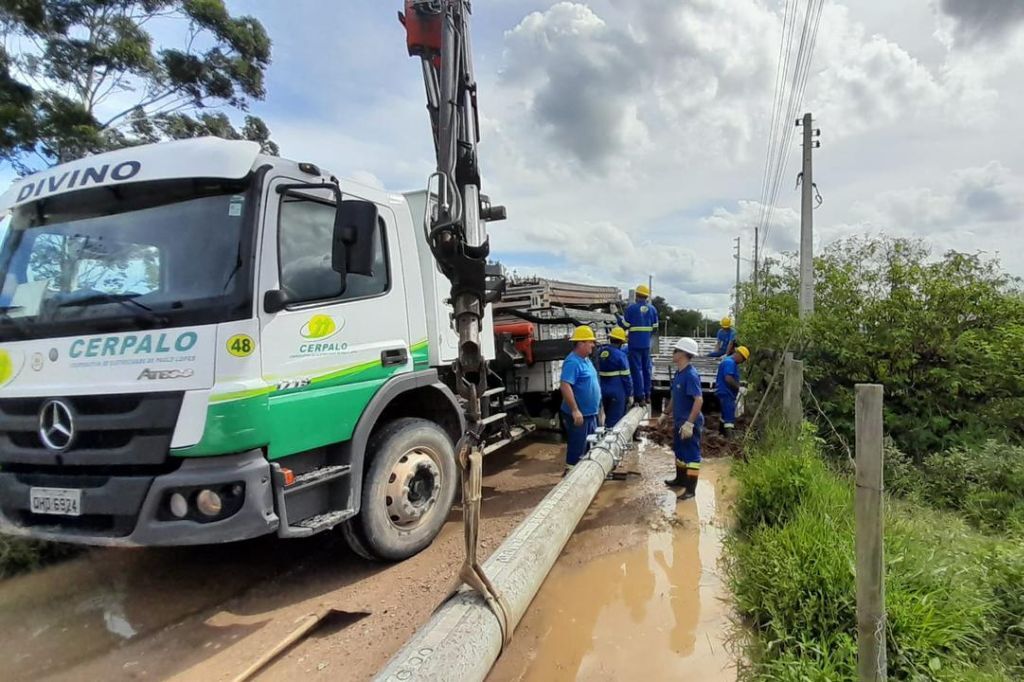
(56, 425)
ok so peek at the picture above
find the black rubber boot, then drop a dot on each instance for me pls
(691, 488)
(679, 481)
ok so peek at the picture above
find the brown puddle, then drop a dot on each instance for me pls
(656, 611)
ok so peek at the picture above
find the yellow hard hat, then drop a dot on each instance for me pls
(744, 351)
(643, 290)
(619, 334)
(583, 333)
(726, 322)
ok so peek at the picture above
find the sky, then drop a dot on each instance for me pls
(627, 138)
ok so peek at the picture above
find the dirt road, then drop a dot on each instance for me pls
(206, 613)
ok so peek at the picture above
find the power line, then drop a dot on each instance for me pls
(782, 67)
(780, 139)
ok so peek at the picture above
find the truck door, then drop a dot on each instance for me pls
(329, 350)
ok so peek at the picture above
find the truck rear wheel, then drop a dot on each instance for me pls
(408, 490)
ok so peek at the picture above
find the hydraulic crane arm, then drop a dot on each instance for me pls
(437, 31)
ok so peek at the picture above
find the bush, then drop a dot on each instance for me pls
(945, 336)
(954, 598)
(985, 483)
(18, 555)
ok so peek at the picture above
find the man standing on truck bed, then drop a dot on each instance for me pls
(616, 384)
(727, 387)
(640, 321)
(581, 395)
(726, 339)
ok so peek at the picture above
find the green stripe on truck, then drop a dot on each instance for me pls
(294, 419)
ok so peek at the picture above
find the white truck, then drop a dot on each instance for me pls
(200, 344)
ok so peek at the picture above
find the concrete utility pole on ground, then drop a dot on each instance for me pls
(807, 221)
(736, 306)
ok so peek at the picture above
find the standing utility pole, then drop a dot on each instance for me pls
(736, 306)
(807, 221)
(757, 240)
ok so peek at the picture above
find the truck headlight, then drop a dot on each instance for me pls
(208, 502)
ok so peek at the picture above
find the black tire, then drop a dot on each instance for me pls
(374, 532)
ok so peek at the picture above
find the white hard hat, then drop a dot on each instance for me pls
(688, 346)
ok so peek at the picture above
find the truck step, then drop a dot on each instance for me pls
(493, 391)
(318, 476)
(498, 416)
(509, 404)
(515, 433)
(321, 522)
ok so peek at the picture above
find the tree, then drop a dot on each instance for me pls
(945, 336)
(79, 77)
(683, 322)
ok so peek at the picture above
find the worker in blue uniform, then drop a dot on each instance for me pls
(686, 402)
(640, 321)
(581, 395)
(727, 387)
(616, 383)
(726, 339)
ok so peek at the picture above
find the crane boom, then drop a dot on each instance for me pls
(437, 31)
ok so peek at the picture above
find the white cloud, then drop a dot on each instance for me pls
(629, 137)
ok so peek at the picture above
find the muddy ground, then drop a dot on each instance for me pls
(207, 613)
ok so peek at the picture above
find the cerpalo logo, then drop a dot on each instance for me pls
(318, 330)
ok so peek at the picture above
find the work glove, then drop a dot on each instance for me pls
(686, 431)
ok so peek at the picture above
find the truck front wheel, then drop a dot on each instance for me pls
(408, 490)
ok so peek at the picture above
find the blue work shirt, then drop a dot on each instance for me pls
(725, 337)
(685, 390)
(581, 375)
(613, 368)
(640, 321)
(727, 368)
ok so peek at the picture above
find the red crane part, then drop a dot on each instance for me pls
(522, 337)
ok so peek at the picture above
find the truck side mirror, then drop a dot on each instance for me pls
(352, 247)
(274, 301)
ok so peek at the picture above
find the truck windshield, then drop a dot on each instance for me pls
(126, 257)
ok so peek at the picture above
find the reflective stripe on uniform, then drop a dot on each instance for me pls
(641, 329)
(618, 373)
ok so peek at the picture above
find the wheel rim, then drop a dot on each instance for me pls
(413, 487)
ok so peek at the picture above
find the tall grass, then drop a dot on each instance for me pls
(18, 555)
(954, 596)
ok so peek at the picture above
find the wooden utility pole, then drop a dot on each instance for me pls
(871, 655)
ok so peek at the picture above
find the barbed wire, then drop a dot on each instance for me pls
(835, 432)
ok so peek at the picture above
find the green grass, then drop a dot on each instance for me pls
(954, 596)
(18, 555)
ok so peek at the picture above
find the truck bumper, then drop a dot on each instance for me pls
(134, 510)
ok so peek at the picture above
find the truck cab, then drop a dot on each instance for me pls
(201, 344)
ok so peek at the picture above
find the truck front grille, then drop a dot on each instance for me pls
(131, 430)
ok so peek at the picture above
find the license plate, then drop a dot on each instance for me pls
(60, 501)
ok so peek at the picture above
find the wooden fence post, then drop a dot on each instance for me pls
(793, 382)
(871, 653)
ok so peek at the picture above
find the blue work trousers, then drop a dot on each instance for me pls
(728, 402)
(640, 370)
(614, 406)
(688, 451)
(576, 436)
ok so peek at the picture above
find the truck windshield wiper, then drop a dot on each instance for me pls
(127, 300)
